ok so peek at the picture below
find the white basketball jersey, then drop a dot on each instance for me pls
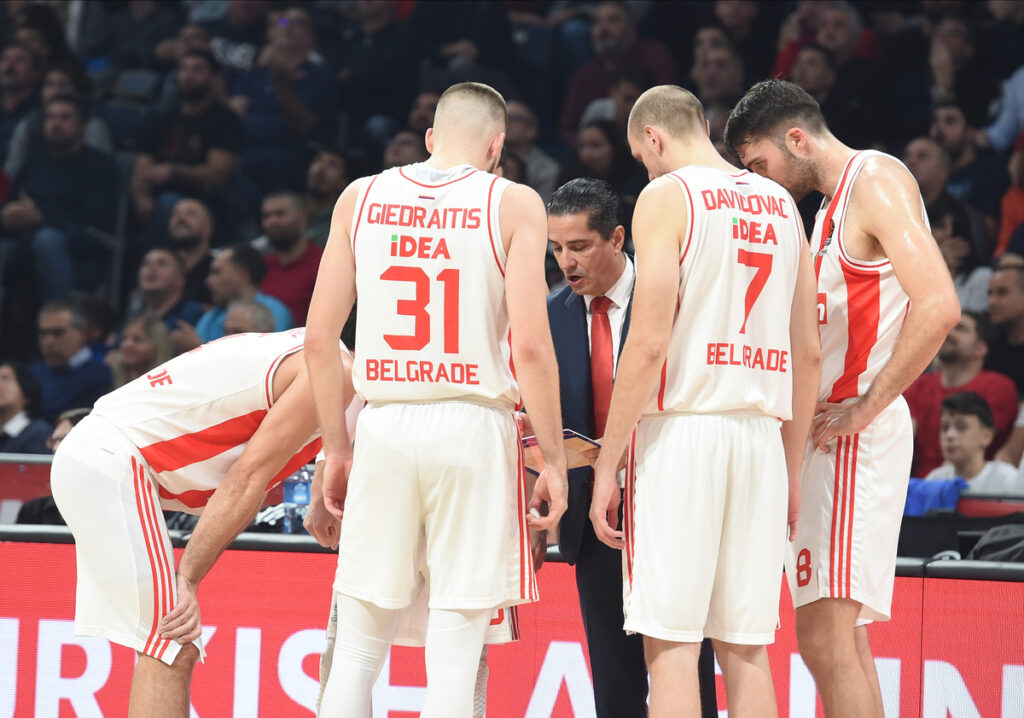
(192, 416)
(729, 349)
(430, 268)
(861, 305)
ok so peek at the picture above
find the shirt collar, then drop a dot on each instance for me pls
(621, 291)
(16, 424)
(80, 358)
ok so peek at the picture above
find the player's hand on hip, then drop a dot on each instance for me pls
(183, 623)
(832, 420)
(604, 509)
(322, 524)
(551, 488)
(336, 472)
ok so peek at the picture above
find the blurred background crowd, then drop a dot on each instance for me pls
(169, 168)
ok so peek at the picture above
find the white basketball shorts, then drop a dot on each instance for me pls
(705, 528)
(126, 580)
(436, 489)
(852, 500)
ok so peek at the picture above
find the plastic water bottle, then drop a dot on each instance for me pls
(296, 500)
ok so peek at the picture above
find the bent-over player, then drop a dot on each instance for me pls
(448, 263)
(885, 304)
(208, 433)
(722, 352)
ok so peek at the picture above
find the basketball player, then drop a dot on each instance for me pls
(884, 307)
(447, 259)
(722, 351)
(209, 432)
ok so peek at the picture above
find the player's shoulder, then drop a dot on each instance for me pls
(517, 198)
(663, 188)
(881, 178)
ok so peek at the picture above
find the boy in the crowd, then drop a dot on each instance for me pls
(966, 430)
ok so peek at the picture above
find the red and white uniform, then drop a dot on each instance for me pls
(164, 440)
(707, 468)
(853, 495)
(437, 480)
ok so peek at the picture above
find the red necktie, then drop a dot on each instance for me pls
(601, 361)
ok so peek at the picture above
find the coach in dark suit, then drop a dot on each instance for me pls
(589, 320)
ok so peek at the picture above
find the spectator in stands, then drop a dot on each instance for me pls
(625, 90)
(131, 35)
(237, 38)
(326, 178)
(162, 290)
(101, 325)
(236, 274)
(191, 150)
(60, 79)
(957, 72)
(421, 115)
(405, 148)
(286, 101)
(1013, 450)
(1006, 309)
(19, 76)
(145, 344)
(1006, 128)
(68, 374)
(815, 71)
(191, 231)
(293, 261)
(978, 178)
(718, 76)
(21, 429)
(43, 511)
(248, 315)
(191, 37)
(511, 167)
(1011, 206)
(951, 227)
(520, 139)
(966, 432)
(377, 46)
(38, 26)
(63, 189)
(616, 46)
(960, 362)
(745, 31)
(464, 41)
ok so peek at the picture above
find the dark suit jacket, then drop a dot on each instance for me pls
(32, 440)
(567, 315)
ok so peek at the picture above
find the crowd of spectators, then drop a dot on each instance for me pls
(180, 160)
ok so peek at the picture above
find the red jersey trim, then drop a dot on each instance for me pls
(443, 184)
(833, 205)
(693, 219)
(490, 233)
(862, 317)
(268, 382)
(355, 229)
(182, 451)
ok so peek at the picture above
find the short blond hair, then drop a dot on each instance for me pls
(489, 106)
(675, 110)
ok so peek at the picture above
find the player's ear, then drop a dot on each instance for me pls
(428, 140)
(494, 151)
(796, 141)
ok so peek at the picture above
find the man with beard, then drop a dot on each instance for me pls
(960, 361)
(161, 292)
(293, 262)
(1006, 309)
(326, 177)
(63, 188)
(190, 150)
(885, 304)
(191, 232)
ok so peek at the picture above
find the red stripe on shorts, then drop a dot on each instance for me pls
(853, 495)
(836, 487)
(166, 573)
(525, 556)
(628, 528)
(140, 508)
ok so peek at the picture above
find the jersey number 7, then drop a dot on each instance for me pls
(762, 262)
(417, 308)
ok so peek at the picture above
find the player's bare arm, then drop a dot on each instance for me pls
(282, 434)
(333, 297)
(525, 236)
(659, 225)
(805, 350)
(886, 213)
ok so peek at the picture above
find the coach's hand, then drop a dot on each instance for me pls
(336, 473)
(604, 507)
(832, 420)
(183, 623)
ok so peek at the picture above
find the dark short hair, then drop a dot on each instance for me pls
(1018, 271)
(80, 81)
(595, 197)
(949, 206)
(29, 387)
(206, 56)
(967, 403)
(949, 105)
(983, 326)
(291, 195)
(76, 101)
(768, 105)
(175, 257)
(79, 319)
(830, 59)
(246, 257)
